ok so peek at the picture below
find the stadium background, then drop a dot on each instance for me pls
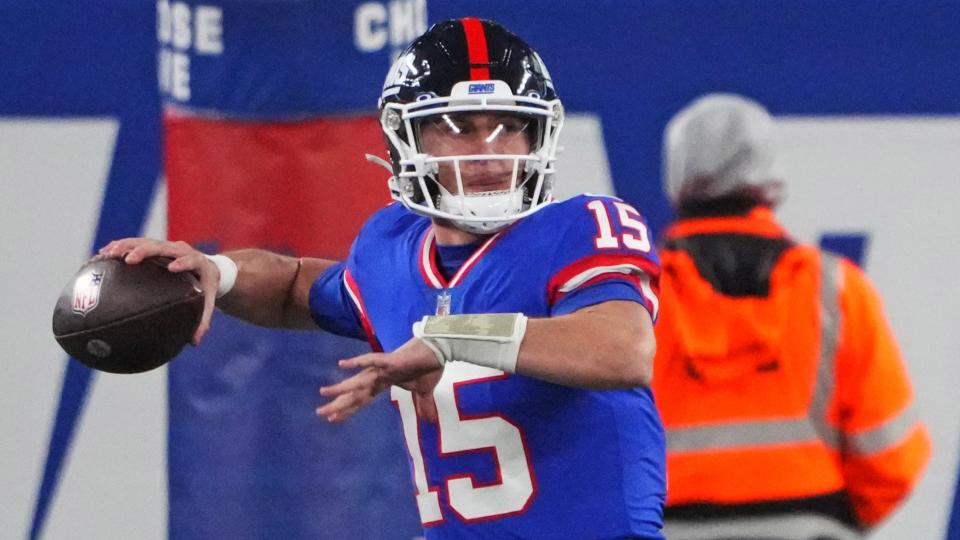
(267, 108)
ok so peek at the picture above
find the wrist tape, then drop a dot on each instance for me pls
(228, 273)
(491, 340)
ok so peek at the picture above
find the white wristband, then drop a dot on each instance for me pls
(491, 340)
(228, 273)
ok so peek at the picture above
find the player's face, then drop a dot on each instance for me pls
(476, 134)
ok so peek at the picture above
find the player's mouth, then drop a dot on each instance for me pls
(486, 183)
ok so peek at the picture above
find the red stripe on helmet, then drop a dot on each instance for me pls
(476, 49)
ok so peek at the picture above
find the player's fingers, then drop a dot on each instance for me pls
(140, 251)
(340, 406)
(198, 263)
(209, 277)
(341, 387)
(117, 248)
(192, 261)
(345, 412)
(364, 379)
(157, 248)
(106, 250)
(334, 405)
(348, 408)
(338, 417)
(425, 406)
(112, 246)
(331, 408)
(377, 360)
(208, 284)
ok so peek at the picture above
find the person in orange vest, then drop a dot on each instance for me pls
(788, 409)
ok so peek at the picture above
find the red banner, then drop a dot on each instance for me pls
(302, 188)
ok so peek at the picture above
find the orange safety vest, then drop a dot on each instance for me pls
(787, 406)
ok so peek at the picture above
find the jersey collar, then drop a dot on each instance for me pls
(428, 260)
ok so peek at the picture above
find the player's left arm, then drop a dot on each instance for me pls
(606, 345)
(602, 296)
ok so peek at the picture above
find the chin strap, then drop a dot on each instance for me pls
(379, 161)
(392, 182)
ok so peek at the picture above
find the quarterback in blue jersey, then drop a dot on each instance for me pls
(513, 333)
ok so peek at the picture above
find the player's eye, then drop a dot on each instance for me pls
(513, 124)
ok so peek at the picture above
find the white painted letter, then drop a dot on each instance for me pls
(181, 25)
(208, 34)
(163, 21)
(369, 26)
(164, 69)
(403, 22)
(181, 76)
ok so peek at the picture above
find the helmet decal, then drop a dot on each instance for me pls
(476, 49)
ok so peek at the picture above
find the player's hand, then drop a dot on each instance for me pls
(185, 259)
(413, 367)
(351, 394)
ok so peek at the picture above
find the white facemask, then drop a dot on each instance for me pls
(499, 206)
(475, 212)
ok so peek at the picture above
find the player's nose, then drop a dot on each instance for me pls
(488, 167)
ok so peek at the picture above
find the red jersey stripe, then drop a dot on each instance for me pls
(581, 272)
(353, 290)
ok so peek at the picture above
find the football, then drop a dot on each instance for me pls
(122, 318)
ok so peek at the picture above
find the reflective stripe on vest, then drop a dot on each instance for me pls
(885, 435)
(829, 338)
(878, 439)
(865, 442)
(735, 434)
(791, 527)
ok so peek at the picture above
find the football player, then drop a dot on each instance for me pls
(514, 333)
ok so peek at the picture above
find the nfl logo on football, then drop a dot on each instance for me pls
(86, 293)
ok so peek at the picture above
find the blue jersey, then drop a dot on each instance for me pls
(512, 456)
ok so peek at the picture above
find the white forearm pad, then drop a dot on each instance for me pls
(228, 273)
(491, 340)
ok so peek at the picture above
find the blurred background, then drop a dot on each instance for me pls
(238, 123)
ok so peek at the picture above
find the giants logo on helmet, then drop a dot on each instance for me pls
(86, 293)
(484, 88)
